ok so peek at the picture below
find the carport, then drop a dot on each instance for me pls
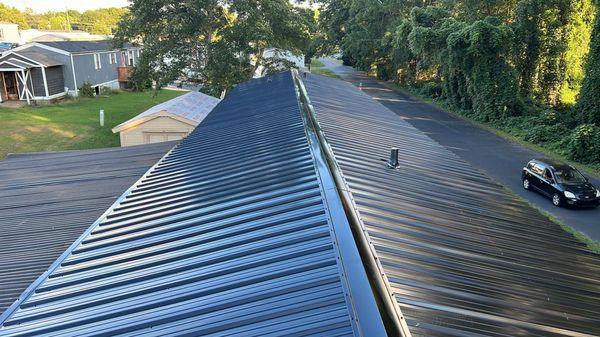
(23, 77)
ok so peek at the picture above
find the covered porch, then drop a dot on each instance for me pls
(30, 78)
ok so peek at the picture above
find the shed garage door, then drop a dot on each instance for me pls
(157, 137)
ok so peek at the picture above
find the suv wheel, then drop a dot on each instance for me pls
(526, 184)
(556, 200)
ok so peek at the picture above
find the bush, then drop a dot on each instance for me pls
(86, 90)
(431, 89)
(584, 144)
(540, 134)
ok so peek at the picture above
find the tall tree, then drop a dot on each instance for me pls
(214, 43)
(589, 100)
(13, 15)
(551, 39)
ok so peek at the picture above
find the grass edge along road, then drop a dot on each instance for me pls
(72, 124)
(588, 169)
(591, 244)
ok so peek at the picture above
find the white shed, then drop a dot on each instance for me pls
(170, 120)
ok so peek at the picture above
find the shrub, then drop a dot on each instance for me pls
(86, 90)
(546, 133)
(584, 144)
(431, 89)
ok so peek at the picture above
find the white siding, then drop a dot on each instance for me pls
(160, 129)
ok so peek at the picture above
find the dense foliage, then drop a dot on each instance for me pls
(588, 105)
(510, 63)
(98, 21)
(216, 44)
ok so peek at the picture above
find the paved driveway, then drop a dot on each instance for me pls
(500, 158)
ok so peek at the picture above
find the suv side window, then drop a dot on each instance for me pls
(547, 174)
(537, 169)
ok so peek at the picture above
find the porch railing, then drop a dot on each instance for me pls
(124, 73)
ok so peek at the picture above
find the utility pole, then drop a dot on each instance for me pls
(68, 21)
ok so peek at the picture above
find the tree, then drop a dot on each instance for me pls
(13, 15)
(473, 10)
(552, 38)
(214, 43)
(588, 105)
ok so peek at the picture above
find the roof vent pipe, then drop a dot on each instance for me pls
(393, 163)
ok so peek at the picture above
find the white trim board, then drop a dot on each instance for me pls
(43, 46)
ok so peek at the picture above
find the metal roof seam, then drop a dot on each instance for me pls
(44, 276)
(326, 195)
(349, 210)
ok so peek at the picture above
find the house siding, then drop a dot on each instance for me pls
(67, 71)
(37, 82)
(139, 134)
(56, 81)
(10, 33)
(86, 72)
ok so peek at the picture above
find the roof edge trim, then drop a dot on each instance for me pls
(33, 286)
(43, 46)
(389, 309)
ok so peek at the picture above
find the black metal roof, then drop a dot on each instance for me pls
(47, 200)
(83, 46)
(244, 229)
(461, 254)
(232, 233)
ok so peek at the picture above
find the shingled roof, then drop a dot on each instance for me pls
(83, 46)
(193, 107)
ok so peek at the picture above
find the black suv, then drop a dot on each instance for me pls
(561, 182)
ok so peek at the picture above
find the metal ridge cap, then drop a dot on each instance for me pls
(33, 286)
(388, 308)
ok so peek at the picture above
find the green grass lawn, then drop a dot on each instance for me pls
(325, 72)
(316, 63)
(72, 124)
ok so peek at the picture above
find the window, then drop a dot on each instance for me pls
(530, 166)
(130, 57)
(547, 174)
(537, 169)
(97, 62)
(112, 58)
(569, 175)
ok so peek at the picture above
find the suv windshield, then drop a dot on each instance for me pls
(568, 175)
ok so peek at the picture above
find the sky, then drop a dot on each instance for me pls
(41, 6)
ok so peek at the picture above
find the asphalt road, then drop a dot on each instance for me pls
(500, 158)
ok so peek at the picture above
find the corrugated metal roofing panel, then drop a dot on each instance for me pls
(463, 256)
(227, 235)
(47, 200)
